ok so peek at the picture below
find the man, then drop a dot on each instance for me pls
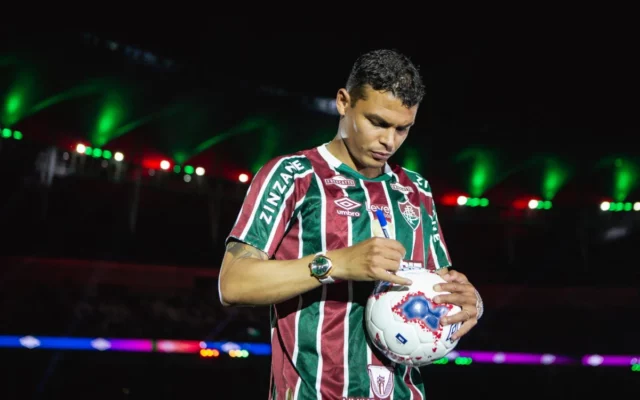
(307, 242)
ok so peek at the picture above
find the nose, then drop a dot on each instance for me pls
(388, 139)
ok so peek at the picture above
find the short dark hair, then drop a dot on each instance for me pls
(386, 70)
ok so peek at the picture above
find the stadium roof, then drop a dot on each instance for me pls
(229, 101)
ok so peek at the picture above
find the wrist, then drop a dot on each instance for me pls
(321, 268)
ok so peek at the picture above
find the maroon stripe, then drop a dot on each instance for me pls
(377, 198)
(335, 306)
(286, 374)
(299, 191)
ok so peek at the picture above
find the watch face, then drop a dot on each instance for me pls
(320, 266)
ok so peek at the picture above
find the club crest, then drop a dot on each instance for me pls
(410, 213)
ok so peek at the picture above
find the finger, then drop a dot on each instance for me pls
(393, 254)
(394, 245)
(464, 329)
(391, 265)
(454, 298)
(455, 276)
(387, 276)
(454, 288)
(465, 315)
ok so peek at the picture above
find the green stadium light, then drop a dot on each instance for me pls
(535, 204)
(619, 206)
(473, 201)
(7, 133)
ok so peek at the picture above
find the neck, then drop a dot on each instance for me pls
(338, 148)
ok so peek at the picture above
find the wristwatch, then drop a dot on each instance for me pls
(479, 305)
(320, 268)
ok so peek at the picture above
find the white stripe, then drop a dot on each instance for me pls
(370, 214)
(393, 235)
(345, 389)
(366, 195)
(432, 249)
(386, 193)
(323, 237)
(261, 194)
(297, 323)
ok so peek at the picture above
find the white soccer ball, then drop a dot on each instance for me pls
(404, 323)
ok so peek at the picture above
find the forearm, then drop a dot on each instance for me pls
(253, 281)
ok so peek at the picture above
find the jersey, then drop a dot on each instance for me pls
(307, 202)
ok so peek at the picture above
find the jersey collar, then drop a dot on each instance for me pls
(339, 165)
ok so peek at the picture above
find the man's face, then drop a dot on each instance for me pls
(375, 128)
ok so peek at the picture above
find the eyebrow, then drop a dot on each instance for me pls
(381, 121)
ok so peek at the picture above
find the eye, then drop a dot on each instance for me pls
(379, 124)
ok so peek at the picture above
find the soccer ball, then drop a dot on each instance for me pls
(404, 323)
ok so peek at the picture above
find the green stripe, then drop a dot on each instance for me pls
(308, 325)
(404, 232)
(400, 388)
(357, 351)
(416, 378)
(426, 232)
(441, 255)
(272, 203)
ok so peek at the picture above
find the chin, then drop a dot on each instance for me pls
(373, 163)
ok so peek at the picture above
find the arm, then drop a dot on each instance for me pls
(248, 277)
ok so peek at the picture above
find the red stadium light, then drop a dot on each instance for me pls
(464, 200)
(453, 199)
(532, 204)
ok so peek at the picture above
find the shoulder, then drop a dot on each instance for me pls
(415, 177)
(292, 164)
(284, 172)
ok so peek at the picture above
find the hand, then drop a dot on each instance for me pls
(375, 259)
(463, 294)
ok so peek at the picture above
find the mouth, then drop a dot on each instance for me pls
(380, 156)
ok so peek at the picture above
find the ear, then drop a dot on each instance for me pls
(343, 101)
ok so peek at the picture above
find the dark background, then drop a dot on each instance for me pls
(561, 281)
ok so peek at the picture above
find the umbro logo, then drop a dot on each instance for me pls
(346, 205)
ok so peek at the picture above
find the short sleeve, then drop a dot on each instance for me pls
(270, 202)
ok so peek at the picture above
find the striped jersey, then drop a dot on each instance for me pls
(307, 202)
